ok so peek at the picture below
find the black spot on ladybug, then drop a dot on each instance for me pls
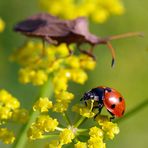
(113, 106)
(120, 99)
(122, 112)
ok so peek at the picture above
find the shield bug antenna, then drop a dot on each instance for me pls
(119, 36)
(56, 31)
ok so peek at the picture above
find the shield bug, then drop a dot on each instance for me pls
(56, 31)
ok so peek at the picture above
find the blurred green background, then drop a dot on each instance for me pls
(129, 76)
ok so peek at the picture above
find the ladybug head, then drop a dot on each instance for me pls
(87, 96)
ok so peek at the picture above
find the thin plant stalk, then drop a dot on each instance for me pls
(46, 91)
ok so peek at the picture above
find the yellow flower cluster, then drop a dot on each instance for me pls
(42, 125)
(83, 110)
(96, 138)
(97, 135)
(36, 68)
(63, 99)
(66, 136)
(10, 110)
(42, 105)
(6, 136)
(20, 115)
(80, 145)
(110, 129)
(97, 10)
(10, 107)
(53, 144)
(7, 105)
(2, 25)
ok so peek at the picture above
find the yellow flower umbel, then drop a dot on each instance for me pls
(37, 68)
(47, 127)
(97, 10)
(10, 111)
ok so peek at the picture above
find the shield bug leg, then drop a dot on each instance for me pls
(87, 52)
(70, 52)
(114, 37)
(43, 50)
(49, 40)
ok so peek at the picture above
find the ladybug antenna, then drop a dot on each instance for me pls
(114, 37)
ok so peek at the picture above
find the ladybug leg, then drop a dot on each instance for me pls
(111, 118)
(84, 101)
(100, 106)
(87, 52)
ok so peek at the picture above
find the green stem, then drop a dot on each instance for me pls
(66, 118)
(59, 129)
(80, 121)
(46, 91)
(50, 136)
(133, 111)
(82, 130)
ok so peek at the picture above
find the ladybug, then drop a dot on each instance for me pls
(108, 97)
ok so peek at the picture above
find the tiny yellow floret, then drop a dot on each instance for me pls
(80, 145)
(66, 136)
(42, 105)
(96, 132)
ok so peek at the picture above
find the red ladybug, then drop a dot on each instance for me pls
(108, 97)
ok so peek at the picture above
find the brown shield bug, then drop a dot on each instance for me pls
(56, 31)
